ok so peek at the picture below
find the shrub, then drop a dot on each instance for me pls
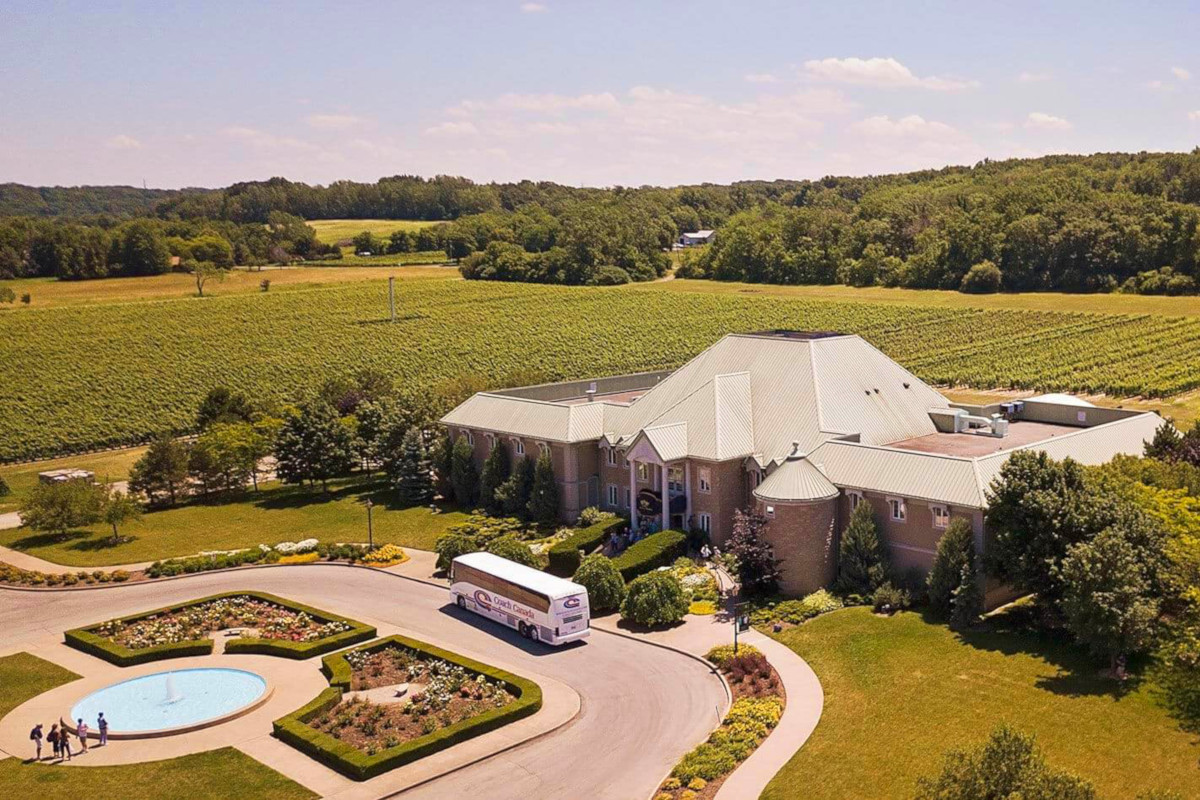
(721, 655)
(707, 761)
(861, 568)
(4, 490)
(794, 612)
(566, 556)
(388, 554)
(450, 546)
(654, 599)
(657, 550)
(955, 549)
(513, 549)
(604, 584)
(593, 516)
(610, 276)
(889, 599)
(982, 278)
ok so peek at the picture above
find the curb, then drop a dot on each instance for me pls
(711, 666)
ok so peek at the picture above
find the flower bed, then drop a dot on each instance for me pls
(794, 612)
(458, 699)
(698, 584)
(282, 628)
(15, 576)
(758, 702)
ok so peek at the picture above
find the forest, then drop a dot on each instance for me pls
(1099, 223)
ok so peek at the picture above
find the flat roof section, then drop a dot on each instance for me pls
(981, 443)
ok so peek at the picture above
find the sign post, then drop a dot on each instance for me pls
(741, 622)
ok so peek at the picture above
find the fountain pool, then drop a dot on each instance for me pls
(171, 702)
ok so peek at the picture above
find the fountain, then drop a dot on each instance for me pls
(173, 702)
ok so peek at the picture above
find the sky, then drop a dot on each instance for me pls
(583, 92)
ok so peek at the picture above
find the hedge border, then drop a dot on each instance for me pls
(566, 556)
(294, 730)
(88, 641)
(656, 550)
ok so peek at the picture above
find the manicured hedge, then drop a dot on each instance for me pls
(566, 556)
(89, 642)
(354, 763)
(656, 550)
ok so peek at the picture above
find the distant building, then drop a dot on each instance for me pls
(803, 426)
(696, 238)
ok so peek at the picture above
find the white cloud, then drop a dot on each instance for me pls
(881, 72)
(1194, 116)
(913, 125)
(533, 8)
(268, 141)
(122, 142)
(1181, 73)
(450, 128)
(336, 122)
(761, 77)
(1157, 86)
(1033, 77)
(1046, 122)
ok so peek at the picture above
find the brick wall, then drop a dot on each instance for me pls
(805, 539)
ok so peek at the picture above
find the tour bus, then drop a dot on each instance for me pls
(539, 605)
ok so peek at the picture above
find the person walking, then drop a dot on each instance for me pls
(81, 728)
(64, 739)
(35, 736)
(102, 725)
(52, 737)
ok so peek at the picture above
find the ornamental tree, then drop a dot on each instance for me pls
(513, 549)
(656, 598)
(463, 476)
(603, 581)
(414, 471)
(955, 550)
(495, 473)
(442, 455)
(543, 495)
(757, 566)
(861, 565)
(117, 508)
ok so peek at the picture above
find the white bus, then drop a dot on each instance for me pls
(539, 605)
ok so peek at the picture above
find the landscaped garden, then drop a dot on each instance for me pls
(882, 674)
(264, 623)
(431, 699)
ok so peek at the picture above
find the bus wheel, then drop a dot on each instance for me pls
(462, 601)
(524, 629)
(533, 633)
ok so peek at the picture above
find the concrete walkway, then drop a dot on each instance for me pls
(10, 520)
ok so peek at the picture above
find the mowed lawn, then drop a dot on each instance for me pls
(900, 691)
(110, 465)
(277, 513)
(332, 231)
(24, 676)
(48, 292)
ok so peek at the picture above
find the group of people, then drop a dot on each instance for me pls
(60, 737)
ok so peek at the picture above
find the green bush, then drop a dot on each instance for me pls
(604, 584)
(723, 654)
(656, 598)
(450, 546)
(794, 612)
(354, 763)
(708, 761)
(513, 549)
(656, 550)
(566, 556)
(889, 599)
(122, 656)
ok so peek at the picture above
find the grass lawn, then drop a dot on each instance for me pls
(48, 292)
(113, 465)
(430, 257)
(277, 513)
(1038, 301)
(23, 677)
(335, 230)
(224, 773)
(900, 691)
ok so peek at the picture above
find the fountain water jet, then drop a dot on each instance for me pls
(173, 695)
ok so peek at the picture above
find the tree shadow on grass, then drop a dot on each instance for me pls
(101, 542)
(37, 540)
(303, 496)
(1020, 630)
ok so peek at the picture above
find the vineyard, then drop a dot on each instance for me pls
(87, 376)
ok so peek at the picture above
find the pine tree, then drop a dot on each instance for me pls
(161, 471)
(967, 599)
(514, 493)
(414, 471)
(543, 496)
(443, 461)
(495, 473)
(463, 475)
(955, 550)
(1165, 444)
(758, 568)
(861, 567)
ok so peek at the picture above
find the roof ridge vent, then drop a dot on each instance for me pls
(796, 454)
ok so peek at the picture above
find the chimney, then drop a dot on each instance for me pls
(591, 391)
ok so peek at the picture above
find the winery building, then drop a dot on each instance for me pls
(803, 426)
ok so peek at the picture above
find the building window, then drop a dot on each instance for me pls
(770, 512)
(675, 479)
(941, 516)
(643, 472)
(470, 438)
(855, 498)
(543, 447)
(612, 456)
(704, 480)
(755, 479)
(520, 444)
(628, 496)
(705, 523)
(612, 495)
(899, 512)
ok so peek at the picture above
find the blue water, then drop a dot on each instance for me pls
(170, 699)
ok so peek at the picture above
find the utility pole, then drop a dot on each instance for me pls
(392, 296)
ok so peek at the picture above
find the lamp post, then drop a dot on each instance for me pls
(370, 529)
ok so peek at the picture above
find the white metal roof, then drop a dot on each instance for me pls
(528, 577)
(538, 419)
(796, 480)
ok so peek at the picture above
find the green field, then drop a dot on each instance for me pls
(24, 676)
(332, 231)
(94, 375)
(277, 513)
(900, 691)
(109, 465)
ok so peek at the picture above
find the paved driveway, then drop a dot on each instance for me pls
(642, 707)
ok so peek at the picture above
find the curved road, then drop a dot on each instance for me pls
(642, 707)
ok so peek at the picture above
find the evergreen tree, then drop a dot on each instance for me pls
(495, 473)
(162, 471)
(757, 566)
(515, 492)
(543, 495)
(955, 550)
(1165, 444)
(967, 599)
(414, 480)
(314, 446)
(442, 455)
(223, 405)
(861, 566)
(463, 476)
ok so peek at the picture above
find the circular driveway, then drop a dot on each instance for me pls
(642, 707)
